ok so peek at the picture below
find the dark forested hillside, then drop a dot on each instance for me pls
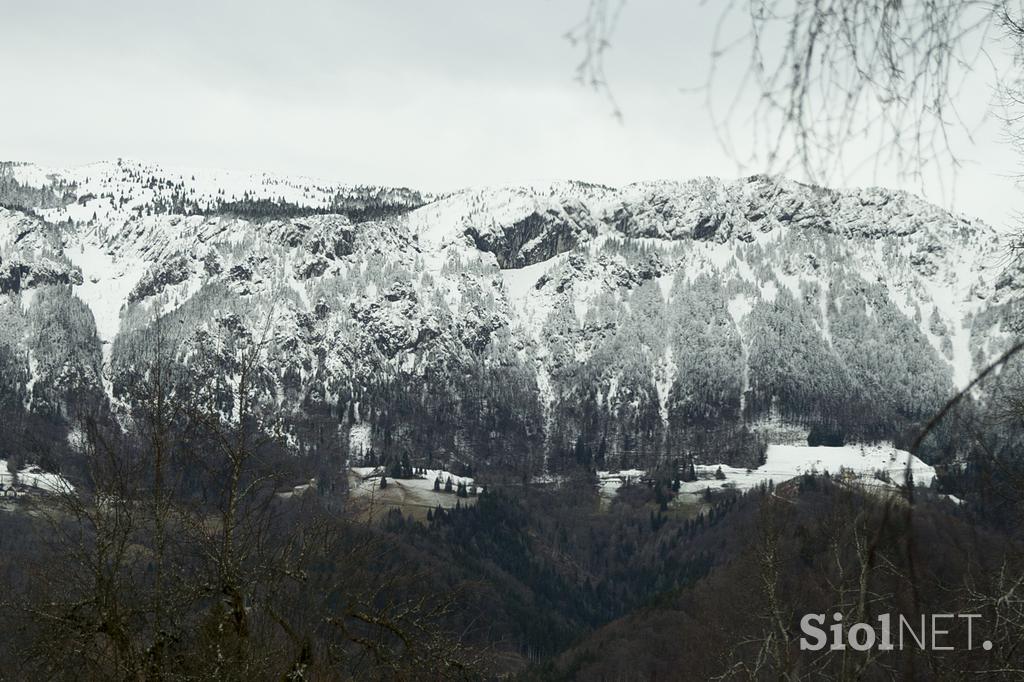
(807, 547)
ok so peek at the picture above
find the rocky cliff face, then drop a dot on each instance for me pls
(517, 326)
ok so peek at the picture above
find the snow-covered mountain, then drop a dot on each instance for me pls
(513, 325)
(116, 191)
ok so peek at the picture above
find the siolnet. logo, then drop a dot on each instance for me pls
(933, 632)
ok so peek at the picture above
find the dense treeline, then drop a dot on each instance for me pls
(17, 195)
(525, 575)
(358, 205)
(646, 372)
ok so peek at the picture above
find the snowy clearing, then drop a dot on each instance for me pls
(784, 462)
(414, 495)
(609, 482)
(33, 477)
(855, 463)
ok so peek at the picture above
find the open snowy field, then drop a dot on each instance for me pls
(411, 495)
(784, 462)
(876, 465)
(33, 477)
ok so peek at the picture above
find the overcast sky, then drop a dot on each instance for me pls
(437, 95)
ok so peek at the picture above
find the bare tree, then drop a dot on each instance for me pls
(210, 574)
(832, 87)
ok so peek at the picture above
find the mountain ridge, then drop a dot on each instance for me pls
(595, 323)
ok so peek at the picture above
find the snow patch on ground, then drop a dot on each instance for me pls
(410, 494)
(530, 308)
(826, 329)
(609, 482)
(33, 477)
(106, 284)
(664, 376)
(665, 283)
(360, 439)
(851, 463)
(854, 462)
(739, 307)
